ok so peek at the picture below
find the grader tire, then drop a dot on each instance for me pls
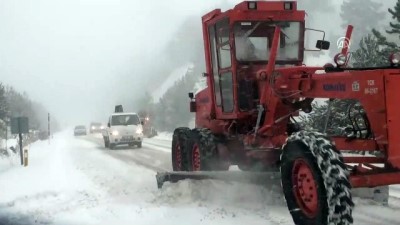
(203, 154)
(315, 181)
(179, 153)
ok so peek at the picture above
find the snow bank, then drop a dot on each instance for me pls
(49, 184)
(394, 191)
(167, 136)
(231, 194)
(8, 158)
(9, 142)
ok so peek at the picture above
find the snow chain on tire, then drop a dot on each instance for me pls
(180, 137)
(207, 143)
(329, 169)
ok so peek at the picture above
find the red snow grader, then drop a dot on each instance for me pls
(258, 84)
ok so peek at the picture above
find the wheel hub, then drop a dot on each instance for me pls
(305, 188)
(196, 158)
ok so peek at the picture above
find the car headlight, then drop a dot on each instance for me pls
(102, 127)
(139, 131)
(115, 133)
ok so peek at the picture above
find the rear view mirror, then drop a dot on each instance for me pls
(315, 36)
(322, 44)
(141, 122)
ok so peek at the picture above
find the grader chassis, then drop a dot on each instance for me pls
(257, 83)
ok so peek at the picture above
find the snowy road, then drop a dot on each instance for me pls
(154, 154)
(78, 181)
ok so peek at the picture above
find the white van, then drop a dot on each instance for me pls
(123, 128)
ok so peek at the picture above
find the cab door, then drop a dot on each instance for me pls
(222, 67)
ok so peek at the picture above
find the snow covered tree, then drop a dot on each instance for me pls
(3, 103)
(21, 105)
(371, 53)
(376, 48)
(173, 108)
(395, 26)
(338, 116)
(359, 13)
(3, 110)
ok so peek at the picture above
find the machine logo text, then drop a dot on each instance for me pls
(335, 87)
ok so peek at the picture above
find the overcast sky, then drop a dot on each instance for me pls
(70, 55)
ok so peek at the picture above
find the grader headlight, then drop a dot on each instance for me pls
(340, 59)
(395, 58)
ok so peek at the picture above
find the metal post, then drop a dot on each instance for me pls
(20, 142)
(25, 157)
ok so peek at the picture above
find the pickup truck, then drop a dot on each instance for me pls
(122, 129)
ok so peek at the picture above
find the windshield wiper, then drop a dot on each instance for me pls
(285, 35)
(248, 33)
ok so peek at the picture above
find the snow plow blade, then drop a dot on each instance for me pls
(259, 178)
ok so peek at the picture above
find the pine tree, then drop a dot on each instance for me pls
(395, 26)
(3, 103)
(337, 118)
(3, 110)
(372, 52)
(173, 108)
(395, 29)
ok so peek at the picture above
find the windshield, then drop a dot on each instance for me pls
(80, 127)
(253, 40)
(125, 120)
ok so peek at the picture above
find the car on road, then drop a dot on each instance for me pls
(123, 128)
(80, 130)
(96, 127)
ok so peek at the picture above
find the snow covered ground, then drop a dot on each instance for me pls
(10, 142)
(163, 136)
(78, 181)
(72, 181)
